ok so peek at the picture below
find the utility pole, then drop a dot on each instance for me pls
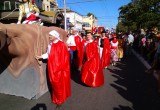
(65, 19)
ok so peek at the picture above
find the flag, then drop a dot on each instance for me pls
(94, 30)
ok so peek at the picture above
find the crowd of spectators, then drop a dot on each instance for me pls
(147, 44)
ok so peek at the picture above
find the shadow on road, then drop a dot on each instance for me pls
(39, 107)
(135, 85)
(122, 108)
(76, 77)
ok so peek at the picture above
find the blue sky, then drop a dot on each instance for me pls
(105, 10)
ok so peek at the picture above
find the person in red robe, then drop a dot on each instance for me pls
(78, 42)
(105, 50)
(58, 68)
(83, 39)
(91, 72)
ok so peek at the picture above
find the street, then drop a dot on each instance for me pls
(127, 87)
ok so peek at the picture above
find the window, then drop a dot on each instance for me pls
(86, 25)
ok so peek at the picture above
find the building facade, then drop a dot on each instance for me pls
(89, 22)
(79, 22)
(74, 19)
(51, 14)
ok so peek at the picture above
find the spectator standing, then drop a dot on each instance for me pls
(130, 42)
(104, 50)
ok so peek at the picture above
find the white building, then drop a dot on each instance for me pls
(78, 21)
(89, 22)
(48, 5)
(74, 18)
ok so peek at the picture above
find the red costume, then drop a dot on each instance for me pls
(83, 42)
(106, 54)
(77, 40)
(92, 74)
(59, 72)
(82, 49)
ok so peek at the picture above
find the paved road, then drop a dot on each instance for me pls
(127, 87)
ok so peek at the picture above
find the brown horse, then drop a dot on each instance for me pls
(19, 44)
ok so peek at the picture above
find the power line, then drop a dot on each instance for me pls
(107, 16)
(83, 1)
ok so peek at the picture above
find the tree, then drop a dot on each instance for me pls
(89, 14)
(141, 13)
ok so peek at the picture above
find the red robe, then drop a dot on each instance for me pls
(106, 54)
(92, 73)
(77, 40)
(59, 72)
(83, 41)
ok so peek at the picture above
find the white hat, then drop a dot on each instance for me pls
(55, 34)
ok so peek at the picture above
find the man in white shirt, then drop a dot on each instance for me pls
(73, 42)
(130, 42)
(130, 38)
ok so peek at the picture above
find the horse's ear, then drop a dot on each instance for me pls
(1, 26)
(1, 29)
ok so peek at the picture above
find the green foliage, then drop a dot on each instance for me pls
(89, 14)
(121, 28)
(140, 14)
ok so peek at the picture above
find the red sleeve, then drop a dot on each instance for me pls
(106, 53)
(79, 49)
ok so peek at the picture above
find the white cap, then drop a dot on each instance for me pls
(55, 34)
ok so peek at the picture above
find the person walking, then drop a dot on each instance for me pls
(114, 47)
(74, 46)
(120, 48)
(58, 68)
(105, 50)
(91, 72)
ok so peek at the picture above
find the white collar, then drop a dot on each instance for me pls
(55, 41)
(90, 41)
